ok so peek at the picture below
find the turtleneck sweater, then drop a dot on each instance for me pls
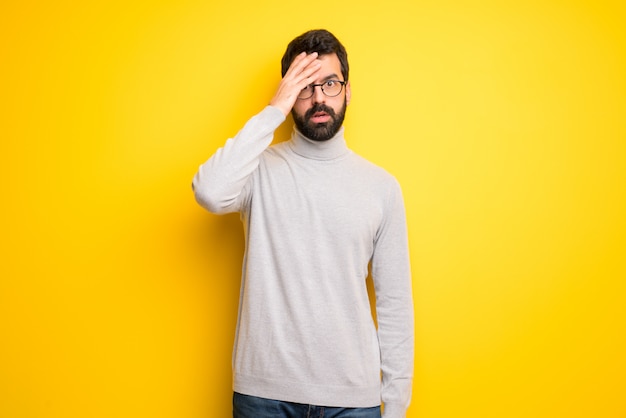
(317, 219)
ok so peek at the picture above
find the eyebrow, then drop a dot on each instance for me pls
(333, 76)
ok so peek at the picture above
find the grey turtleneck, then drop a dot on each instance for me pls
(315, 215)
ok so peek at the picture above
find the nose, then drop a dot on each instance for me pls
(318, 95)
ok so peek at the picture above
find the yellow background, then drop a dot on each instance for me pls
(503, 121)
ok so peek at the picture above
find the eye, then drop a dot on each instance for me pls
(330, 83)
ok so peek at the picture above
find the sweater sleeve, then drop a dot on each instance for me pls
(220, 182)
(391, 274)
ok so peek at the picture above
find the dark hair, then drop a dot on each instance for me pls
(320, 41)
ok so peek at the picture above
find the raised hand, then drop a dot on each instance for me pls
(302, 72)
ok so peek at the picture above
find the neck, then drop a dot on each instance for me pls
(319, 150)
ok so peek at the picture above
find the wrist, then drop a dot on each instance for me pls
(283, 108)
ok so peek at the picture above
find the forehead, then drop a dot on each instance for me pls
(330, 65)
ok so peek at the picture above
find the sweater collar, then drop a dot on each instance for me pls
(318, 150)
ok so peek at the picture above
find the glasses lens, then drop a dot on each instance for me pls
(332, 88)
(306, 92)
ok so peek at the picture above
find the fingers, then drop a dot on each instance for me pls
(302, 72)
(303, 67)
(301, 60)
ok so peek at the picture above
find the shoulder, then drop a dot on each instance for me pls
(374, 172)
(275, 157)
(278, 150)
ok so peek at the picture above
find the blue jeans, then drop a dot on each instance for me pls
(245, 406)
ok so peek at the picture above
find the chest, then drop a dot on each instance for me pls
(331, 201)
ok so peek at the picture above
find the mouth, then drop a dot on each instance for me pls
(320, 117)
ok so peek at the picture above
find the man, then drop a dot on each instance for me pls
(316, 216)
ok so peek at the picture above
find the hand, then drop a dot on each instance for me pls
(302, 72)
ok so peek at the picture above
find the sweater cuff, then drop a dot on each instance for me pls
(274, 114)
(394, 410)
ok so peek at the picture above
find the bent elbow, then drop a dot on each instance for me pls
(212, 200)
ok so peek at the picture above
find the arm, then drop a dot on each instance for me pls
(391, 273)
(220, 182)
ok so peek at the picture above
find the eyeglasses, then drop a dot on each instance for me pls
(330, 88)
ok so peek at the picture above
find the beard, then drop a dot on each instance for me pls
(320, 131)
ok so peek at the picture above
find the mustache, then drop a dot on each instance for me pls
(319, 107)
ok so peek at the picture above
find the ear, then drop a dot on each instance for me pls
(348, 92)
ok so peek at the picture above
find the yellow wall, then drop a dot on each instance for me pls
(503, 121)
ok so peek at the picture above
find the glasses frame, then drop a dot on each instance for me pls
(321, 86)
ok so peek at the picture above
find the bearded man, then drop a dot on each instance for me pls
(317, 219)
